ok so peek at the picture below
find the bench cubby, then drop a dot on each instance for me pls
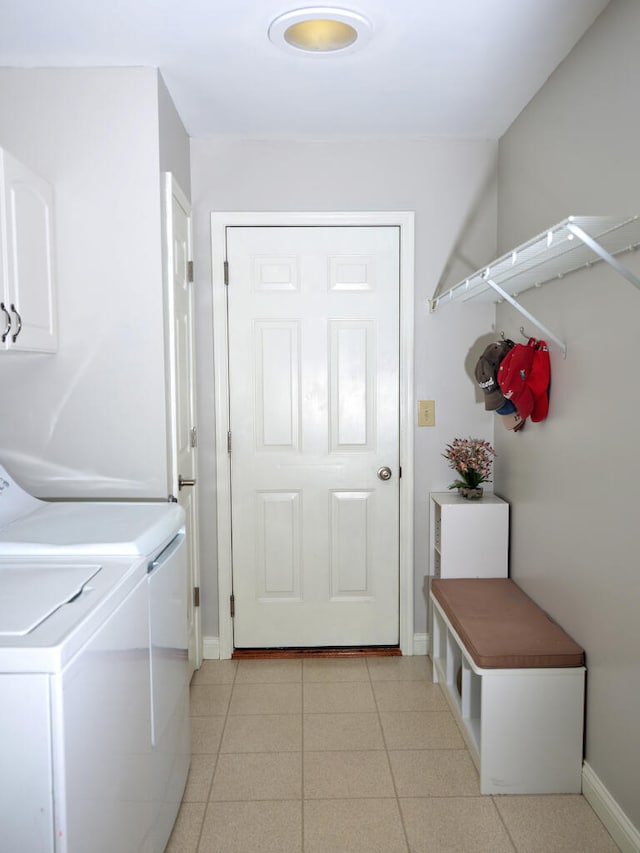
(523, 724)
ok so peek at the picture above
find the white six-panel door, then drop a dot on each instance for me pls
(183, 444)
(313, 319)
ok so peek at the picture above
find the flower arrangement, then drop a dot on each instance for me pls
(472, 459)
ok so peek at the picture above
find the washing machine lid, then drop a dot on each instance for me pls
(92, 528)
(29, 597)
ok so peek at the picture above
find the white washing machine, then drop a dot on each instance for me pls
(94, 725)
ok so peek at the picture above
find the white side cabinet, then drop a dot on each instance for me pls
(27, 271)
(469, 538)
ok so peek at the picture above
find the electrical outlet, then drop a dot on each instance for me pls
(426, 413)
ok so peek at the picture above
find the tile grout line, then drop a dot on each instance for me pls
(302, 751)
(215, 766)
(386, 751)
(502, 821)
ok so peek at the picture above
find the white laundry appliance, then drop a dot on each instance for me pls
(94, 724)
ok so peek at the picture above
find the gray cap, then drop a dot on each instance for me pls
(487, 373)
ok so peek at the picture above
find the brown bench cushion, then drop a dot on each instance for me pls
(501, 627)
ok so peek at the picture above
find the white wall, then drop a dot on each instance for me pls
(444, 182)
(89, 420)
(573, 480)
(174, 142)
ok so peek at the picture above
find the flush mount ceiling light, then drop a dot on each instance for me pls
(320, 30)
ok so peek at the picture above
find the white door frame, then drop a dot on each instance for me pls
(219, 222)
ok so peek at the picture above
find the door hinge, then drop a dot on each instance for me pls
(193, 436)
(232, 605)
(196, 596)
(400, 474)
(190, 272)
(226, 272)
(229, 442)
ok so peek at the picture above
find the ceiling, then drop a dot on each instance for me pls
(462, 68)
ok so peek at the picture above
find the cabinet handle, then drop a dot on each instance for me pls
(8, 319)
(19, 319)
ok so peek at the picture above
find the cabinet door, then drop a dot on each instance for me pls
(29, 292)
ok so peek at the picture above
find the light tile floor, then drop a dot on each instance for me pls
(350, 756)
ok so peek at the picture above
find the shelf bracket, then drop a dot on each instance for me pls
(514, 302)
(602, 253)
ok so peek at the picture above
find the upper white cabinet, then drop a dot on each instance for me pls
(27, 272)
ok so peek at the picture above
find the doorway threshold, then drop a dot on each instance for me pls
(320, 652)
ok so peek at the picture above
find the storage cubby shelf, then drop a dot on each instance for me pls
(574, 243)
(468, 539)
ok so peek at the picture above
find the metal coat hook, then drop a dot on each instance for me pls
(524, 334)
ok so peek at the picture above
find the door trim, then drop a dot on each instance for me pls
(404, 220)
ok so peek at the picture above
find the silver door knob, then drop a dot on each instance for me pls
(184, 482)
(384, 473)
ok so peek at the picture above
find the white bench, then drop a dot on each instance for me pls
(515, 683)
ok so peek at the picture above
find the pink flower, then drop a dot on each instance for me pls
(472, 458)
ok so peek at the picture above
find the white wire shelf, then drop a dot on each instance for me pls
(574, 243)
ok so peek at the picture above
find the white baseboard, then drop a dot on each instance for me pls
(421, 644)
(211, 648)
(620, 828)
